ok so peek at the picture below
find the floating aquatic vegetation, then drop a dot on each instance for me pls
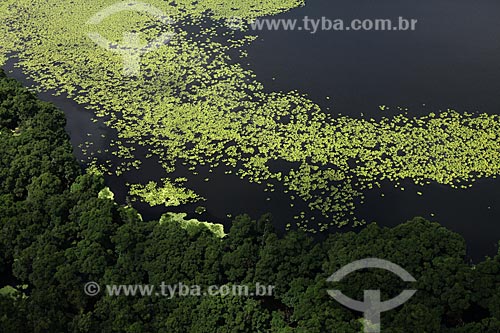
(193, 226)
(168, 195)
(195, 104)
(106, 194)
(200, 210)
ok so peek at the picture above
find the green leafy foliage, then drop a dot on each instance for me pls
(193, 226)
(169, 195)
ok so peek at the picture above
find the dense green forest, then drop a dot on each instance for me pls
(57, 233)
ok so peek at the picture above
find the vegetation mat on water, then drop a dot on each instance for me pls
(195, 103)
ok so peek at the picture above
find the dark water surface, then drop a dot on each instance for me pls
(452, 60)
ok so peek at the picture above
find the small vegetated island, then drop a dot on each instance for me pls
(194, 103)
(60, 229)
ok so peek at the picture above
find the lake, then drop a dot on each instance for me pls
(450, 61)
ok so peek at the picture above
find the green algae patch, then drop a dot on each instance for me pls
(168, 195)
(106, 194)
(193, 103)
(193, 226)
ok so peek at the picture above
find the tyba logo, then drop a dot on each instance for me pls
(371, 306)
(131, 50)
